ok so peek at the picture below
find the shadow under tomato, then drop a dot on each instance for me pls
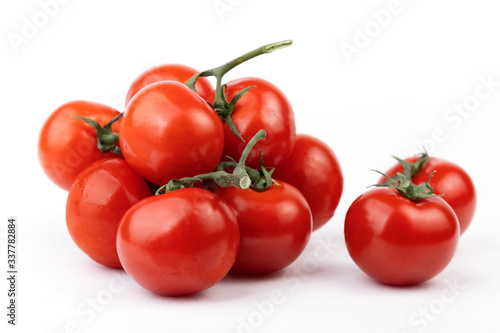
(426, 285)
(233, 277)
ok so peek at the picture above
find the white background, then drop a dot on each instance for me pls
(383, 100)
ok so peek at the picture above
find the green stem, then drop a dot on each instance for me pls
(222, 107)
(106, 138)
(261, 179)
(238, 178)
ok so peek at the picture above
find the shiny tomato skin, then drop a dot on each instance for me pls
(450, 180)
(168, 132)
(263, 107)
(315, 171)
(178, 243)
(275, 227)
(96, 202)
(397, 241)
(67, 145)
(169, 72)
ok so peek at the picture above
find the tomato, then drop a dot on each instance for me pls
(263, 107)
(169, 72)
(178, 243)
(168, 132)
(450, 180)
(397, 241)
(67, 145)
(314, 169)
(99, 197)
(275, 226)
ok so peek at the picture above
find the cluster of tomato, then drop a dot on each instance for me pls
(191, 182)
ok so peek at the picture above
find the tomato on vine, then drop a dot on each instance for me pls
(249, 104)
(170, 132)
(314, 169)
(67, 145)
(178, 243)
(275, 226)
(184, 239)
(169, 72)
(266, 107)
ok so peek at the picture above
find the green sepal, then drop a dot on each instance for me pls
(106, 138)
(412, 169)
(265, 179)
(403, 184)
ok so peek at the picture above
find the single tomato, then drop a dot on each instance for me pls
(178, 243)
(169, 132)
(450, 180)
(169, 72)
(398, 241)
(275, 226)
(314, 169)
(263, 107)
(67, 145)
(99, 197)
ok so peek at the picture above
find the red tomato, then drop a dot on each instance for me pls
(169, 132)
(263, 107)
(314, 169)
(99, 197)
(275, 226)
(67, 145)
(169, 72)
(178, 243)
(450, 180)
(397, 241)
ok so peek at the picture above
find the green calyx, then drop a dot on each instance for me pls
(403, 184)
(238, 178)
(402, 181)
(413, 169)
(106, 138)
(221, 105)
